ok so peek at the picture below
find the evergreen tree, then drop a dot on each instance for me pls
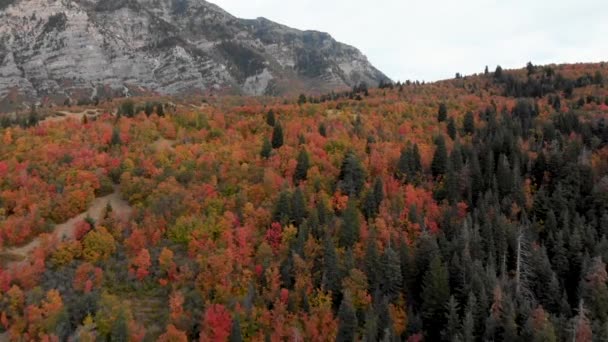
(442, 114)
(282, 211)
(452, 128)
(322, 130)
(435, 295)
(468, 125)
(277, 136)
(452, 328)
(440, 158)
(331, 272)
(235, 331)
(301, 167)
(391, 274)
(349, 231)
(347, 321)
(299, 211)
(270, 118)
(266, 149)
(115, 140)
(120, 328)
(352, 175)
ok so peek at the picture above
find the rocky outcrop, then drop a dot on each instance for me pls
(57, 49)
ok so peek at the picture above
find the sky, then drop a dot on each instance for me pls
(435, 39)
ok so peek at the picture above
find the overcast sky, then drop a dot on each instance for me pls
(434, 39)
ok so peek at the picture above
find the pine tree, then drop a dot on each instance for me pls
(235, 331)
(442, 114)
(347, 319)
(391, 274)
(452, 128)
(331, 272)
(440, 158)
(115, 140)
(452, 328)
(266, 149)
(468, 125)
(352, 175)
(283, 211)
(435, 294)
(270, 118)
(301, 167)
(120, 328)
(299, 211)
(349, 231)
(277, 136)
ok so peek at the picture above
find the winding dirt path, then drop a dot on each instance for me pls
(66, 230)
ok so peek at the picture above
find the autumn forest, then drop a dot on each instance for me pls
(471, 209)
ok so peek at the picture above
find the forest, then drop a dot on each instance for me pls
(471, 209)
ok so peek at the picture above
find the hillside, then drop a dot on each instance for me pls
(91, 50)
(469, 209)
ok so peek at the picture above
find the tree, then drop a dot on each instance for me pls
(498, 73)
(217, 323)
(352, 175)
(452, 128)
(435, 295)
(141, 264)
(301, 167)
(172, 334)
(115, 140)
(347, 321)
(440, 158)
(120, 328)
(277, 136)
(391, 274)
(349, 231)
(468, 125)
(98, 244)
(302, 99)
(442, 114)
(270, 119)
(266, 149)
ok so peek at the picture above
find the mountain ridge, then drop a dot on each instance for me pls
(51, 51)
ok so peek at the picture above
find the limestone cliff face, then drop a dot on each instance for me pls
(56, 49)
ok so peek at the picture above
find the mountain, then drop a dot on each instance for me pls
(85, 49)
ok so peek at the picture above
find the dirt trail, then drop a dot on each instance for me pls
(69, 115)
(67, 229)
(163, 144)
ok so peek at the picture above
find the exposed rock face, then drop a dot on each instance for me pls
(54, 49)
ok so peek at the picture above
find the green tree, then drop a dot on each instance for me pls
(120, 328)
(299, 211)
(115, 140)
(282, 211)
(266, 149)
(352, 175)
(302, 167)
(468, 126)
(391, 274)
(435, 295)
(452, 128)
(350, 229)
(442, 114)
(277, 136)
(440, 158)
(347, 321)
(270, 118)
(235, 331)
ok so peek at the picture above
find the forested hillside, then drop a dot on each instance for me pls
(464, 210)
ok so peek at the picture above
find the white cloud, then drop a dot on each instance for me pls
(434, 39)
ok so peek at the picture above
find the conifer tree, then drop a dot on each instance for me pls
(440, 158)
(277, 136)
(435, 295)
(301, 167)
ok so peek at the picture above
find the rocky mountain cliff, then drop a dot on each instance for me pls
(51, 50)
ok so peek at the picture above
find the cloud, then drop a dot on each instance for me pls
(434, 39)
